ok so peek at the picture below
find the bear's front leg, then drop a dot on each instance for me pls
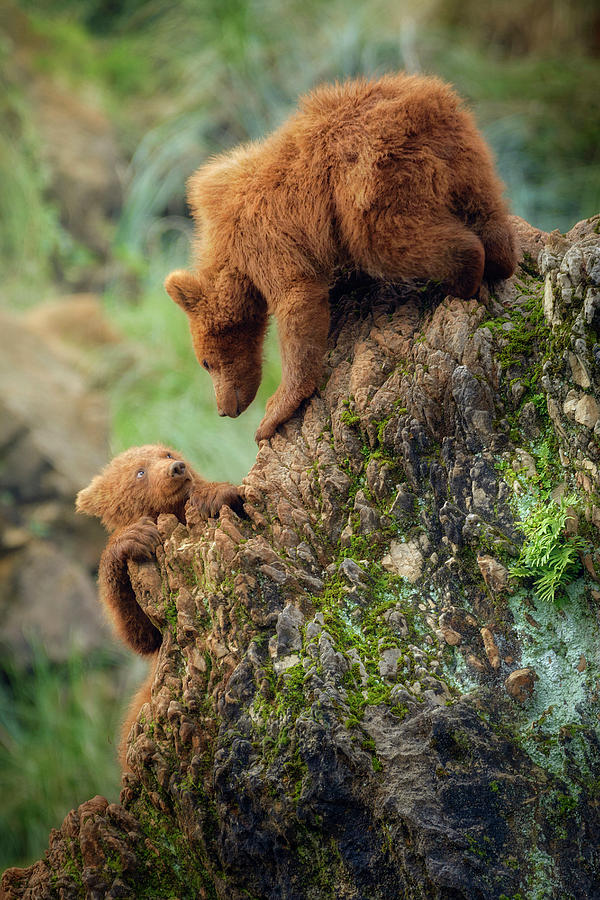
(303, 324)
(209, 497)
(136, 542)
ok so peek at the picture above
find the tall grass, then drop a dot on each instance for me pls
(35, 248)
(58, 730)
(30, 232)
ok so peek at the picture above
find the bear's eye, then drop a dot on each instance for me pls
(169, 456)
(206, 365)
(140, 473)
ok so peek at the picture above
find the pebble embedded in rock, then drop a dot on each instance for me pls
(404, 504)
(495, 575)
(388, 664)
(396, 621)
(346, 536)
(520, 683)
(475, 663)
(353, 572)
(579, 371)
(287, 637)
(404, 559)
(491, 648)
(587, 411)
(451, 636)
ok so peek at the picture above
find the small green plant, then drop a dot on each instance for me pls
(349, 418)
(549, 556)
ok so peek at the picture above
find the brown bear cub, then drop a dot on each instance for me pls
(390, 177)
(128, 496)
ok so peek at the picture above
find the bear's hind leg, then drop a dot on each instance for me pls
(464, 264)
(477, 200)
(499, 244)
(444, 251)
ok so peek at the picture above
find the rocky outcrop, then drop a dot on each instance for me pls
(356, 696)
(53, 439)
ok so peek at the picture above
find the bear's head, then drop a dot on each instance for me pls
(141, 481)
(228, 331)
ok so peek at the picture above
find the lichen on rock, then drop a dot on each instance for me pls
(354, 696)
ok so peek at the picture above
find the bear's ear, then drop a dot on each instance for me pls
(88, 500)
(185, 289)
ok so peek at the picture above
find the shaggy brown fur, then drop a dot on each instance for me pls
(389, 176)
(128, 496)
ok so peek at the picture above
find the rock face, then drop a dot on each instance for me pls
(53, 439)
(354, 699)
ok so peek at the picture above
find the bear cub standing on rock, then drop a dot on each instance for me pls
(128, 496)
(390, 177)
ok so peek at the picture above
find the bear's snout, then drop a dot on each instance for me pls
(229, 405)
(177, 468)
(233, 414)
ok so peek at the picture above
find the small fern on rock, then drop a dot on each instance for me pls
(549, 555)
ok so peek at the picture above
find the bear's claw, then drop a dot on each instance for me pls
(140, 540)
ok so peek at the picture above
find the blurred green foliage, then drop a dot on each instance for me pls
(179, 81)
(31, 234)
(59, 726)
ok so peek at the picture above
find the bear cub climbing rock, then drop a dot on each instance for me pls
(128, 496)
(390, 177)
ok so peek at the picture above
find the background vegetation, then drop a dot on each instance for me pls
(177, 82)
